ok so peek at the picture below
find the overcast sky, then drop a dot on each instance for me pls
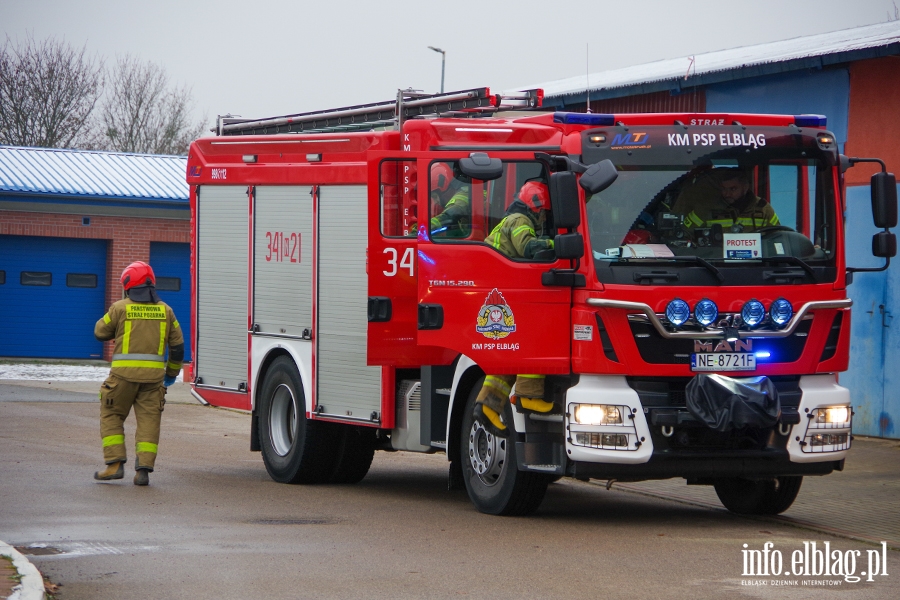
(263, 58)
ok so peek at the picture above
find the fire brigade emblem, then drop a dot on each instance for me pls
(495, 318)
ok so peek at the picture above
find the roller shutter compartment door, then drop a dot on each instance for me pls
(282, 261)
(52, 293)
(222, 281)
(346, 387)
(171, 264)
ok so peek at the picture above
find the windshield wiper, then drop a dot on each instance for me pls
(702, 262)
(792, 260)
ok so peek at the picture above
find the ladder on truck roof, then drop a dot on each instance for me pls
(478, 102)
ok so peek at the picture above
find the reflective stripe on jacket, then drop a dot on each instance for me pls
(514, 236)
(759, 214)
(143, 331)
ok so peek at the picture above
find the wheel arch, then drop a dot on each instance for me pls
(467, 374)
(271, 354)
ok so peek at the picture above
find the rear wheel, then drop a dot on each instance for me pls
(492, 479)
(355, 451)
(758, 497)
(294, 449)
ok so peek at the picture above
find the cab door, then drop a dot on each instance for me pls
(476, 301)
(392, 263)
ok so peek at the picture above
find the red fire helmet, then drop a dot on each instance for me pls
(441, 176)
(137, 273)
(535, 195)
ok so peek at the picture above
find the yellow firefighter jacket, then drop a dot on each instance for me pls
(142, 331)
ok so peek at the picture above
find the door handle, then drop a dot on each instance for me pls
(886, 316)
(379, 309)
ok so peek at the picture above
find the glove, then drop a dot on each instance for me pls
(169, 380)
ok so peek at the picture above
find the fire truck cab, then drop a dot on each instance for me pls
(344, 293)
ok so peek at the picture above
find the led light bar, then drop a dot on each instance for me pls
(598, 120)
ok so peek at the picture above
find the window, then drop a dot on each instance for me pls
(34, 278)
(168, 284)
(2, 277)
(81, 280)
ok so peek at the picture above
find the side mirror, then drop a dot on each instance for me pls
(480, 166)
(884, 200)
(884, 244)
(599, 176)
(564, 200)
(569, 245)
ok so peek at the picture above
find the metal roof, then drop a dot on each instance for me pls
(93, 174)
(813, 51)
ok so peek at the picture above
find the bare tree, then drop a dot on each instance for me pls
(47, 92)
(141, 113)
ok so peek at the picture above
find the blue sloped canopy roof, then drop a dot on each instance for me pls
(813, 51)
(92, 174)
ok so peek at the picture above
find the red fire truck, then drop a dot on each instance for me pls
(680, 336)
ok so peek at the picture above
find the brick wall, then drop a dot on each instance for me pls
(129, 239)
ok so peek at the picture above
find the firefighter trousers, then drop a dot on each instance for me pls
(117, 396)
(496, 389)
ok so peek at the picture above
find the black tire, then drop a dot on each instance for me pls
(355, 451)
(294, 449)
(500, 488)
(758, 497)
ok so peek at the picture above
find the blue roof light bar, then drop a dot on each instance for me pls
(570, 118)
(810, 120)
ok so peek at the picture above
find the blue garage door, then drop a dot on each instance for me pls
(52, 291)
(172, 266)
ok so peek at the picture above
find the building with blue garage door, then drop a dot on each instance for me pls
(70, 222)
(853, 78)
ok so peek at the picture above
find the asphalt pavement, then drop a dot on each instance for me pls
(862, 503)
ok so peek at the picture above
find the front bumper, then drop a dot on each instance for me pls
(684, 448)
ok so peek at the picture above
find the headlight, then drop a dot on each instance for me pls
(678, 312)
(781, 312)
(705, 312)
(832, 415)
(753, 313)
(598, 414)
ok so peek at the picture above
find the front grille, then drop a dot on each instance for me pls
(656, 349)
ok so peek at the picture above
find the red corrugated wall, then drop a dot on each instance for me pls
(874, 124)
(657, 102)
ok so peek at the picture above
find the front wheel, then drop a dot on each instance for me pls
(758, 497)
(492, 479)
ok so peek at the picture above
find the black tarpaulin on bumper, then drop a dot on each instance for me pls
(725, 403)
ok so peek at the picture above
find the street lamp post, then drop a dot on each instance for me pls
(443, 60)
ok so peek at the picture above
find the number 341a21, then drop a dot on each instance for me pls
(282, 247)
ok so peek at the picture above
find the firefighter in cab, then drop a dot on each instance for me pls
(451, 200)
(143, 327)
(728, 202)
(523, 233)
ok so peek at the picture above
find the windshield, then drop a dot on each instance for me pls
(719, 213)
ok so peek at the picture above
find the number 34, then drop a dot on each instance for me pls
(405, 263)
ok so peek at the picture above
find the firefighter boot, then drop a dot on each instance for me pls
(142, 477)
(114, 470)
(530, 395)
(533, 405)
(491, 400)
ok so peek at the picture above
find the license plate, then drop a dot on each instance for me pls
(723, 361)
